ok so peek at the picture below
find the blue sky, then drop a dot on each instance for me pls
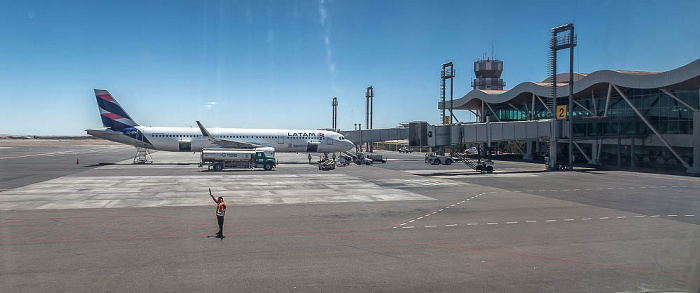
(278, 64)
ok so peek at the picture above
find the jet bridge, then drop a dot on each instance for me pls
(422, 134)
(426, 135)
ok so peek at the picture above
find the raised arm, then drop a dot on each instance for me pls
(212, 196)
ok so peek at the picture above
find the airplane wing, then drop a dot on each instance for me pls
(225, 143)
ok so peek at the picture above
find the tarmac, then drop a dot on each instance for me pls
(106, 224)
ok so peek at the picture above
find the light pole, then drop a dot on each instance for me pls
(360, 125)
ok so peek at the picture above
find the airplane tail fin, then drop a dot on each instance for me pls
(113, 115)
(205, 132)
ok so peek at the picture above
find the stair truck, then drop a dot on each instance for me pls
(479, 165)
(219, 159)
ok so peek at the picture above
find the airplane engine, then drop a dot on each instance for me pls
(198, 145)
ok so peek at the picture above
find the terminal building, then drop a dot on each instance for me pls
(620, 118)
(626, 119)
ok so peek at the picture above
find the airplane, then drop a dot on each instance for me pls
(120, 127)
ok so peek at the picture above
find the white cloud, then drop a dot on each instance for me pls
(322, 10)
(326, 34)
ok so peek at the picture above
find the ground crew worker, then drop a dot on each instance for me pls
(220, 212)
(333, 156)
(309, 158)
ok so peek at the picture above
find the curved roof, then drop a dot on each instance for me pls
(684, 77)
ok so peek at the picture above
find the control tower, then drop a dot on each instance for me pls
(488, 74)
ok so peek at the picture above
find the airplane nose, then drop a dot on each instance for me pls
(350, 145)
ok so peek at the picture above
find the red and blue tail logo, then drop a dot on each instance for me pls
(112, 114)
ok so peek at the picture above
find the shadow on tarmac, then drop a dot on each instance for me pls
(475, 173)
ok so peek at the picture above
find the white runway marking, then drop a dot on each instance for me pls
(239, 189)
(593, 189)
(421, 182)
(73, 151)
(552, 221)
(442, 209)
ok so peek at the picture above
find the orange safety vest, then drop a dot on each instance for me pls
(220, 209)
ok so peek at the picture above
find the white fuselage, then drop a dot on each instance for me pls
(184, 139)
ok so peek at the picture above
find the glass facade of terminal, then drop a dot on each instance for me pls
(666, 114)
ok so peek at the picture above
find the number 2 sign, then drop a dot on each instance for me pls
(561, 112)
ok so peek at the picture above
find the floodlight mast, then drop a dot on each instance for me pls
(557, 43)
(448, 72)
(369, 94)
(335, 113)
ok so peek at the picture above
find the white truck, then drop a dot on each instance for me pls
(435, 159)
(376, 158)
(219, 159)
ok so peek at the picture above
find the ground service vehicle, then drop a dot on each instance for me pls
(344, 161)
(219, 159)
(376, 158)
(405, 150)
(360, 158)
(328, 164)
(435, 159)
(481, 165)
